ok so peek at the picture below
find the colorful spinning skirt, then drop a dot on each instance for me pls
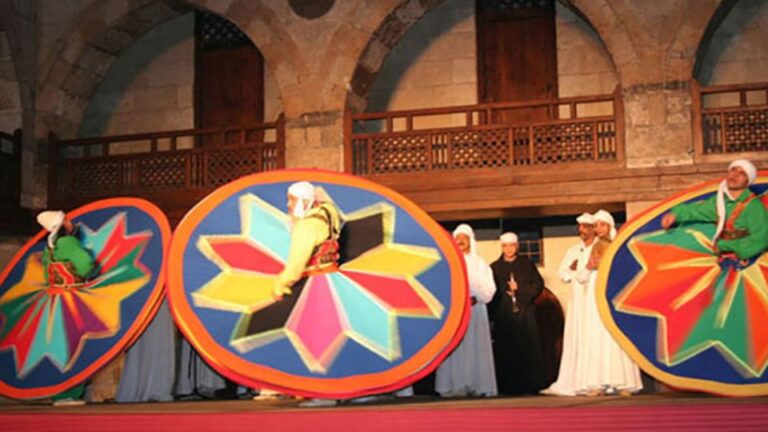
(390, 312)
(688, 317)
(53, 338)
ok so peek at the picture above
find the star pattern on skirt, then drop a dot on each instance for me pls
(376, 283)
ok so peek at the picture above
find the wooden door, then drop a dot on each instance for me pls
(517, 55)
(229, 78)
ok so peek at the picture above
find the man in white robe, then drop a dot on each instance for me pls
(605, 369)
(574, 262)
(469, 370)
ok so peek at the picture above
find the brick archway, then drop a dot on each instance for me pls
(703, 47)
(406, 14)
(68, 85)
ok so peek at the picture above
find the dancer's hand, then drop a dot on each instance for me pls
(512, 285)
(668, 220)
(279, 291)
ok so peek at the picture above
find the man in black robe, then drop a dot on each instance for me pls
(516, 345)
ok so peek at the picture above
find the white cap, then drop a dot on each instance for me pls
(302, 190)
(508, 237)
(751, 172)
(747, 166)
(464, 229)
(586, 218)
(305, 192)
(604, 216)
(51, 220)
(469, 232)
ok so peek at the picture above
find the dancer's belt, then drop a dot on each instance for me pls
(734, 234)
(322, 269)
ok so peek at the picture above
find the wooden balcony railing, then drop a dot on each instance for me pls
(193, 160)
(577, 129)
(730, 118)
(10, 168)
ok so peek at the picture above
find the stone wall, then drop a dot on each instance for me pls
(435, 63)
(149, 87)
(323, 66)
(738, 52)
(584, 67)
(10, 98)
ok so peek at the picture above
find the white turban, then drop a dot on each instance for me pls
(51, 221)
(748, 168)
(508, 237)
(604, 216)
(467, 230)
(751, 172)
(586, 218)
(305, 192)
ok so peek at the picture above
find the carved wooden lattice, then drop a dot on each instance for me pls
(736, 131)
(214, 32)
(501, 6)
(360, 159)
(176, 175)
(162, 171)
(712, 134)
(564, 143)
(485, 148)
(88, 178)
(731, 118)
(391, 142)
(225, 166)
(480, 149)
(606, 141)
(407, 153)
(521, 145)
(746, 131)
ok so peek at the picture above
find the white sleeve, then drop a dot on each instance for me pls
(564, 272)
(582, 276)
(485, 286)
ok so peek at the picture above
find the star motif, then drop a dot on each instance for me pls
(376, 283)
(699, 304)
(41, 322)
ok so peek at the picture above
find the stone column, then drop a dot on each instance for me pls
(315, 140)
(658, 124)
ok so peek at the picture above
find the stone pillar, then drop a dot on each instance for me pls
(658, 124)
(315, 140)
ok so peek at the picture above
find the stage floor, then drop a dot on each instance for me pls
(660, 411)
(416, 402)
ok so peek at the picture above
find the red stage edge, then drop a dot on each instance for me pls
(687, 417)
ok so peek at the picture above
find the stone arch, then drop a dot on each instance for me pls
(381, 42)
(408, 12)
(72, 75)
(718, 16)
(612, 31)
(733, 20)
(643, 57)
